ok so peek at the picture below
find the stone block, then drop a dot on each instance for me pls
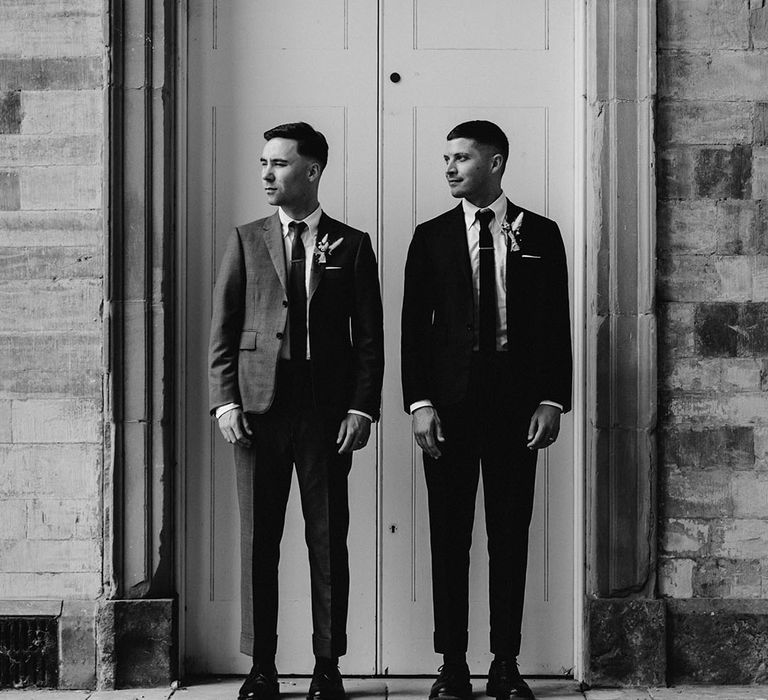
(51, 364)
(746, 408)
(717, 641)
(50, 556)
(700, 123)
(56, 420)
(758, 27)
(77, 645)
(76, 149)
(728, 447)
(67, 73)
(676, 329)
(676, 578)
(46, 585)
(760, 124)
(51, 262)
(13, 519)
(713, 75)
(685, 538)
(62, 112)
(46, 32)
(727, 578)
(760, 170)
(740, 539)
(6, 434)
(750, 495)
(10, 112)
(690, 172)
(51, 305)
(741, 375)
(627, 642)
(715, 327)
(10, 191)
(691, 374)
(135, 643)
(50, 229)
(703, 24)
(58, 471)
(696, 278)
(760, 278)
(697, 494)
(753, 329)
(57, 519)
(687, 226)
(739, 227)
(62, 187)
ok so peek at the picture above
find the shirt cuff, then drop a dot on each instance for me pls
(552, 403)
(420, 404)
(361, 413)
(226, 408)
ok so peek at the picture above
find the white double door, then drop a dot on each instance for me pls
(384, 81)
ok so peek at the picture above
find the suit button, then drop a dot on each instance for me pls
(285, 303)
(279, 336)
(469, 326)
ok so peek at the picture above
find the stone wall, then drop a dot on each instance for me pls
(712, 150)
(52, 145)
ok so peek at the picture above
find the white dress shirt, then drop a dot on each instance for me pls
(308, 236)
(472, 226)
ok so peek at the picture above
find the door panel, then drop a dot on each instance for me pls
(526, 88)
(250, 67)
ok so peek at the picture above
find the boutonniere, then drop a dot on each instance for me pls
(323, 249)
(514, 233)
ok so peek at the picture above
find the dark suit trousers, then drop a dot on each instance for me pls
(489, 428)
(292, 432)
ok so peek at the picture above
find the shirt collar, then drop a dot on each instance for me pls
(498, 206)
(312, 221)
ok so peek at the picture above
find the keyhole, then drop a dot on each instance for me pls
(393, 528)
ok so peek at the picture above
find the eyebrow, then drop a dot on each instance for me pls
(274, 160)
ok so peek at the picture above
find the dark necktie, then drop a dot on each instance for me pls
(297, 293)
(487, 312)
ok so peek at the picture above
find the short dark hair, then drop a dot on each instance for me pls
(484, 132)
(309, 142)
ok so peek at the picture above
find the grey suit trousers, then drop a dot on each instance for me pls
(292, 432)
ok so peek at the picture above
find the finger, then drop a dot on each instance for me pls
(342, 432)
(346, 446)
(246, 424)
(439, 430)
(532, 426)
(432, 448)
(538, 439)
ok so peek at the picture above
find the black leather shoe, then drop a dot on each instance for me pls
(260, 684)
(326, 685)
(452, 683)
(505, 681)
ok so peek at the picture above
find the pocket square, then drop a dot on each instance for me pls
(532, 257)
(332, 267)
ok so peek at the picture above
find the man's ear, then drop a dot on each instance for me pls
(314, 171)
(497, 163)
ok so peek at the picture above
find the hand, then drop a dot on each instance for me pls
(428, 430)
(544, 427)
(234, 427)
(353, 433)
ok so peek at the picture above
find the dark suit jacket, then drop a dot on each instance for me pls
(438, 318)
(250, 308)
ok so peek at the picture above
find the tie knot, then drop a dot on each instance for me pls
(484, 216)
(297, 226)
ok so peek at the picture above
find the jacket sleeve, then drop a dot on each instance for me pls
(557, 371)
(226, 325)
(416, 323)
(367, 325)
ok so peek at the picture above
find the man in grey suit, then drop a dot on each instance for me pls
(296, 362)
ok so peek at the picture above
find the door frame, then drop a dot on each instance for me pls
(581, 392)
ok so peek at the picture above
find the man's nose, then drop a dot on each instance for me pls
(267, 174)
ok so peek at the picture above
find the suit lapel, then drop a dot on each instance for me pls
(273, 237)
(324, 227)
(457, 235)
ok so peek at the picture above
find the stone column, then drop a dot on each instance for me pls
(136, 624)
(626, 644)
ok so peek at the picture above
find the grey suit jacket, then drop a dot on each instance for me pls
(250, 309)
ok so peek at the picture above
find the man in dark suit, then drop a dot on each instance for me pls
(486, 370)
(296, 364)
